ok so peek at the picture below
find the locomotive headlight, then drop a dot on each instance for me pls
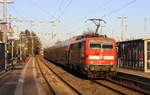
(91, 62)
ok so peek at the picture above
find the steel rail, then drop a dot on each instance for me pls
(108, 87)
(62, 78)
(3, 74)
(131, 80)
(129, 87)
(49, 85)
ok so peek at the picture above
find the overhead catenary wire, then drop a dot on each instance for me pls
(42, 10)
(111, 13)
(62, 13)
(93, 11)
(59, 7)
(16, 12)
(120, 8)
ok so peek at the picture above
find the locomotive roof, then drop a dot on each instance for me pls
(90, 35)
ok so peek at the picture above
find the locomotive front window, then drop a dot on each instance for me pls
(101, 44)
(107, 44)
(95, 46)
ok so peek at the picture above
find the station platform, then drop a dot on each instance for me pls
(22, 80)
(134, 74)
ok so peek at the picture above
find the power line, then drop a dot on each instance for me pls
(93, 11)
(114, 11)
(61, 4)
(79, 28)
(43, 10)
(120, 8)
(99, 7)
(59, 7)
(17, 12)
(62, 13)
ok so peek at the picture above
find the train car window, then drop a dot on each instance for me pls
(79, 45)
(76, 46)
(71, 46)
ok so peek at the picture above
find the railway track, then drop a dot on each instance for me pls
(129, 84)
(135, 85)
(69, 90)
(4, 73)
(105, 84)
(119, 88)
(83, 87)
(91, 87)
(45, 79)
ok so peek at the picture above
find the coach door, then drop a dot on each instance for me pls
(148, 56)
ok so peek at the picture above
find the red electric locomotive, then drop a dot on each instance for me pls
(93, 56)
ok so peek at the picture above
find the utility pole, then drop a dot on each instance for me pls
(53, 25)
(126, 30)
(5, 2)
(145, 24)
(20, 57)
(32, 46)
(17, 49)
(122, 24)
(12, 51)
(97, 22)
(11, 31)
(26, 41)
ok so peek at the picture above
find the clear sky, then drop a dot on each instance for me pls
(73, 14)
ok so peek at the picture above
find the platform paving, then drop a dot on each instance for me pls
(134, 72)
(134, 75)
(22, 81)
